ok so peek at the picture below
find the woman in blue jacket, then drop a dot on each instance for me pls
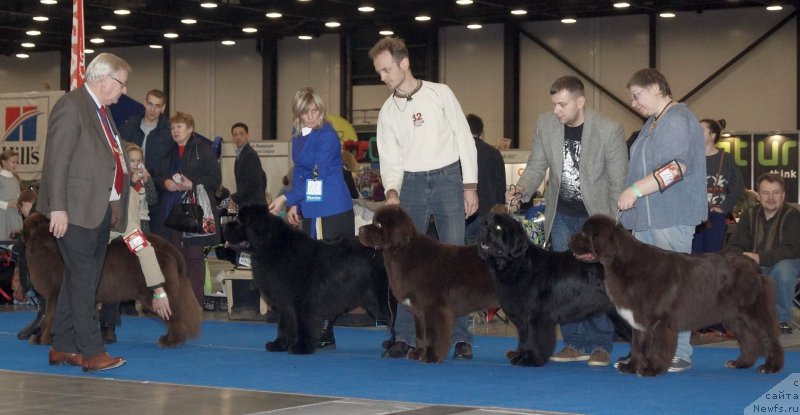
(319, 198)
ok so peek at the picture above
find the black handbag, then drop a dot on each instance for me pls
(186, 216)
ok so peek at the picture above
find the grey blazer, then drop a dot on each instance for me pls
(603, 164)
(78, 171)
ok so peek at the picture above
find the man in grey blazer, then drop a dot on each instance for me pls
(587, 158)
(84, 191)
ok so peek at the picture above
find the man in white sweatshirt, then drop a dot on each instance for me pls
(428, 166)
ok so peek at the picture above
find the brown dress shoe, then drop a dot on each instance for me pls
(102, 362)
(61, 358)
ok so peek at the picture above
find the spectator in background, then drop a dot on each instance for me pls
(151, 132)
(666, 193)
(319, 198)
(768, 234)
(725, 189)
(251, 181)
(190, 161)
(491, 179)
(10, 219)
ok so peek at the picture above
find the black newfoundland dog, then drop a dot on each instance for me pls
(436, 281)
(661, 293)
(305, 280)
(122, 280)
(539, 289)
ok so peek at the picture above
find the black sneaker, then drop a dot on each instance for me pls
(397, 351)
(326, 338)
(785, 328)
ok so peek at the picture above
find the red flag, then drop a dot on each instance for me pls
(77, 59)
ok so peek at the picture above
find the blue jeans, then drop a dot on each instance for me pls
(784, 274)
(440, 193)
(676, 239)
(710, 240)
(595, 331)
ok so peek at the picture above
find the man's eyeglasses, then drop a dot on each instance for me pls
(123, 84)
(635, 95)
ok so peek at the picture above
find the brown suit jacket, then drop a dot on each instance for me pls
(78, 171)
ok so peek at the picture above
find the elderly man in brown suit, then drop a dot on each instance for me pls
(84, 191)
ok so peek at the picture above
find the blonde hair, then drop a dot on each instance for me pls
(306, 99)
(182, 117)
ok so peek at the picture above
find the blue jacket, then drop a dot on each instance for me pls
(320, 149)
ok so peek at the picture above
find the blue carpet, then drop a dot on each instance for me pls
(231, 354)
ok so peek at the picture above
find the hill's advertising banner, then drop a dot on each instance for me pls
(760, 153)
(24, 118)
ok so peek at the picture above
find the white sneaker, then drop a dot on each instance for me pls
(679, 365)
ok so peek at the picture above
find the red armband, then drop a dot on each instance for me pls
(668, 174)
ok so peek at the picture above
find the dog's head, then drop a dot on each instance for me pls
(36, 229)
(253, 224)
(391, 227)
(502, 238)
(599, 238)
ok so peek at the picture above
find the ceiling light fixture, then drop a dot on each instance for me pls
(23, 55)
(228, 42)
(332, 24)
(48, 2)
(568, 20)
(97, 40)
(41, 18)
(249, 29)
(88, 51)
(519, 12)
(386, 33)
(422, 18)
(621, 5)
(154, 46)
(209, 5)
(775, 8)
(463, 2)
(108, 27)
(122, 12)
(305, 37)
(188, 20)
(474, 26)
(33, 33)
(28, 45)
(366, 9)
(274, 15)
(667, 15)
(170, 35)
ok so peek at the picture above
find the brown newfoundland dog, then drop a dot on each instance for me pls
(122, 280)
(436, 281)
(661, 293)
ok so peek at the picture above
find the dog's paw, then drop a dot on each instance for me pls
(528, 358)
(628, 367)
(769, 368)
(301, 348)
(510, 354)
(275, 346)
(431, 357)
(416, 353)
(166, 342)
(649, 371)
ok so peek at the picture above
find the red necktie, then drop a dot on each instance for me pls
(118, 176)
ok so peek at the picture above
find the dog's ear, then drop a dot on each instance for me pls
(399, 233)
(518, 242)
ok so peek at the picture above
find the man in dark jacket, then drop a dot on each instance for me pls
(491, 179)
(151, 132)
(767, 233)
(251, 181)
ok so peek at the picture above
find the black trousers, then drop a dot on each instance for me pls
(74, 326)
